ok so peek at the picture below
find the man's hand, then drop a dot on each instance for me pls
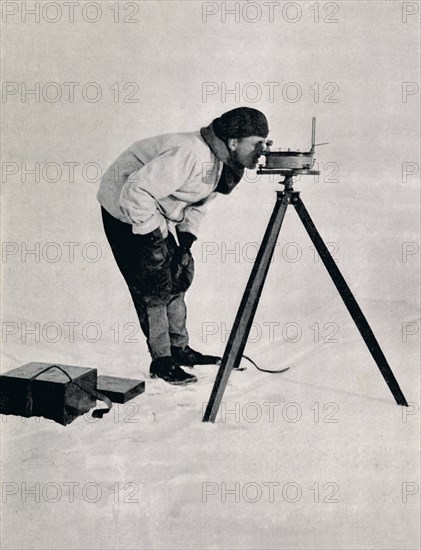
(183, 262)
(152, 238)
(156, 268)
(185, 257)
(185, 240)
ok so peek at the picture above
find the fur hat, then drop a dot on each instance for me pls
(239, 123)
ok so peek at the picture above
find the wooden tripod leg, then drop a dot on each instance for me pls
(242, 324)
(351, 304)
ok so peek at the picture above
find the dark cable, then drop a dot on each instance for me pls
(265, 370)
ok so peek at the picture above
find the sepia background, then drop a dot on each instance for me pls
(317, 458)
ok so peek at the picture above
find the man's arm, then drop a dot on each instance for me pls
(157, 179)
(193, 216)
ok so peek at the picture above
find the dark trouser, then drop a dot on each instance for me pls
(163, 324)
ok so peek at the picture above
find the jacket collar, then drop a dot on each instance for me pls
(232, 172)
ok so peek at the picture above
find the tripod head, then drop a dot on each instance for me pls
(290, 163)
(288, 175)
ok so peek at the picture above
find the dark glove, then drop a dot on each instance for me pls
(183, 263)
(155, 266)
(154, 249)
(185, 239)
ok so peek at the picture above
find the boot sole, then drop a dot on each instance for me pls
(197, 364)
(237, 369)
(181, 383)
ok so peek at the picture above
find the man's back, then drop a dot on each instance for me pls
(177, 170)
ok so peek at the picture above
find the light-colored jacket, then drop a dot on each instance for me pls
(162, 180)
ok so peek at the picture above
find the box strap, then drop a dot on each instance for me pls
(97, 413)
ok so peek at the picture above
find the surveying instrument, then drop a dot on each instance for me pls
(289, 164)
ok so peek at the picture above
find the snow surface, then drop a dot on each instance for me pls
(326, 434)
(329, 420)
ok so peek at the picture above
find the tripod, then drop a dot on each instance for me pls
(244, 318)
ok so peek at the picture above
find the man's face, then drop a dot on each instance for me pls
(246, 151)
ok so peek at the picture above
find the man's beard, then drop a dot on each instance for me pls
(235, 159)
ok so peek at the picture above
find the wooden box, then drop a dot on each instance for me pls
(52, 394)
(120, 390)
